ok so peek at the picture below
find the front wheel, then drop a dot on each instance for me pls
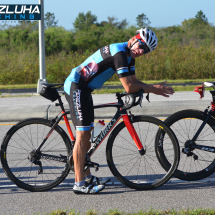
(185, 124)
(31, 171)
(141, 172)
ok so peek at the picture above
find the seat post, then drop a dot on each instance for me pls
(61, 103)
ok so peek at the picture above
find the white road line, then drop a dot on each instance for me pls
(118, 183)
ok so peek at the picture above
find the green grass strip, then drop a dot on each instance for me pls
(109, 91)
(18, 86)
(121, 90)
(112, 83)
(199, 211)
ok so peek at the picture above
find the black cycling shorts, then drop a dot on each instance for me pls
(81, 107)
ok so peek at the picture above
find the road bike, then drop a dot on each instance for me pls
(37, 154)
(195, 131)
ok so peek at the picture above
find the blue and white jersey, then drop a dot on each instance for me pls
(101, 66)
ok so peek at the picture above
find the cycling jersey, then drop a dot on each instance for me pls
(101, 66)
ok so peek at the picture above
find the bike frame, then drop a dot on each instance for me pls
(208, 115)
(119, 114)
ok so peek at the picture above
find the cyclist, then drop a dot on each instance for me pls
(91, 74)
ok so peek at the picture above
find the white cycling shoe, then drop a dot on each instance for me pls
(87, 188)
(97, 181)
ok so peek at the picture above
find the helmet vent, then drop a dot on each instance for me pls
(151, 40)
(147, 37)
(153, 43)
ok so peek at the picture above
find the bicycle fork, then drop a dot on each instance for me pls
(133, 134)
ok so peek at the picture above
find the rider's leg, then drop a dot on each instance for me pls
(90, 178)
(82, 145)
(87, 173)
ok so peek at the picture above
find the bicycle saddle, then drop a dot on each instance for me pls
(56, 86)
(209, 84)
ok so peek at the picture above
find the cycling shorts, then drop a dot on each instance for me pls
(81, 107)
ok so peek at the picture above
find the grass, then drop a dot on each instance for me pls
(120, 90)
(199, 211)
(114, 83)
(110, 91)
(110, 83)
(8, 95)
(18, 86)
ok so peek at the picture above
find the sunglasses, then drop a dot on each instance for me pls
(143, 46)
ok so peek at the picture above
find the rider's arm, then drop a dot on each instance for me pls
(126, 75)
(132, 85)
(136, 81)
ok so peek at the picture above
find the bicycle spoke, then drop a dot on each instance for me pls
(125, 148)
(19, 156)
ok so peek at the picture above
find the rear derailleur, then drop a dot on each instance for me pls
(34, 158)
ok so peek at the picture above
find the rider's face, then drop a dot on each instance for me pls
(135, 50)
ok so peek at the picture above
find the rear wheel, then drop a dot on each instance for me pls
(141, 172)
(23, 166)
(185, 125)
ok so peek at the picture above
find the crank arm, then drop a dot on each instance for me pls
(92, 164)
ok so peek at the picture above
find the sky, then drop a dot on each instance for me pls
(161, 13)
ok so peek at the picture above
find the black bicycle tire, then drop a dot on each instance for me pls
(180, 174)
(4, 161)
(123, 180)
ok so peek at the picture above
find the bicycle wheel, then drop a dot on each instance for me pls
(141, 172)
(185, 125)
(17, 162)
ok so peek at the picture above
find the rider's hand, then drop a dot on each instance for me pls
(160, 89)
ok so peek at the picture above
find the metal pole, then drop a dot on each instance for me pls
(41, 50)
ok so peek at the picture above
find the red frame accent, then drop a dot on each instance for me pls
(128, 125)
(200, 90)
(106, 135)
(68, 127)
(132, 132)
(213, 106)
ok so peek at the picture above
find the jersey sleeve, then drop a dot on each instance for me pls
(121, 64)
(131, 67)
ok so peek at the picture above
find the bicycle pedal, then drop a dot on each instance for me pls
(195, 157)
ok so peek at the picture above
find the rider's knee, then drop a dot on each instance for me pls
(83, 136)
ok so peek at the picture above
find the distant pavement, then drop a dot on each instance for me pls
(19, 108)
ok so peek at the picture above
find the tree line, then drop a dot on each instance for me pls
(90, 35)
(185, 51)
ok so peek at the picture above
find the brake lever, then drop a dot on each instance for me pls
(147, 97)
(141, 100)
(200, 90)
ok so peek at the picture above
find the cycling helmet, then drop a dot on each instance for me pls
(148, 37)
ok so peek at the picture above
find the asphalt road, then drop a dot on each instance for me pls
(177, 194)
(20, 108)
